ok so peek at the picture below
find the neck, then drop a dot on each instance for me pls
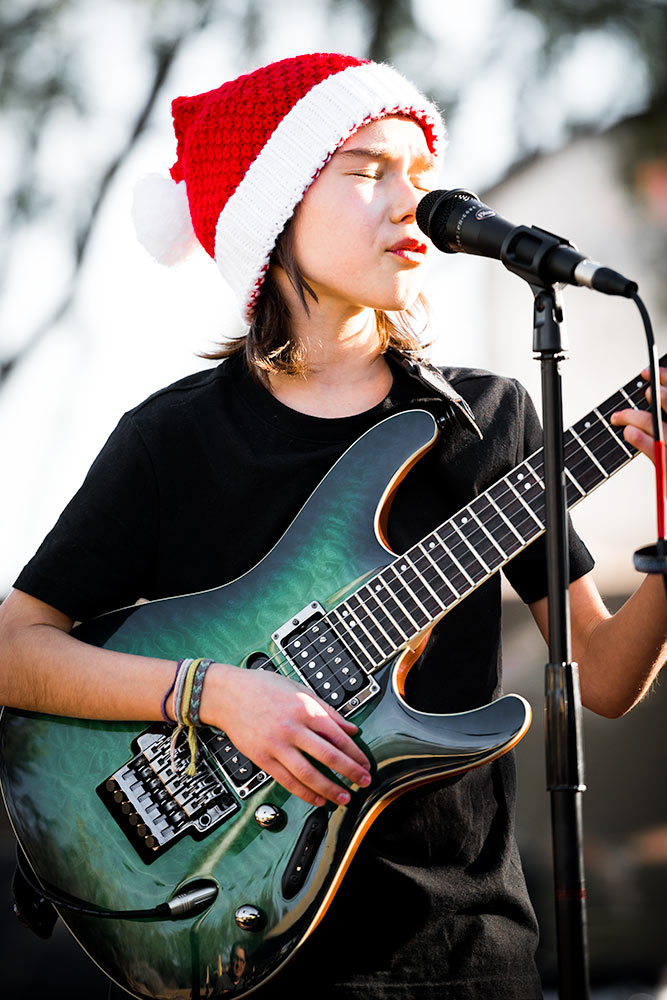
(346, 372)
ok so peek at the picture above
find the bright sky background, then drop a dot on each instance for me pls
(137, 326)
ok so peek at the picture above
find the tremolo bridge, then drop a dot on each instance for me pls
(152, 798)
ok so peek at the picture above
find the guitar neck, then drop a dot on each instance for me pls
(410, 594)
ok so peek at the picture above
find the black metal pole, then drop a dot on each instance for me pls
(564, 749)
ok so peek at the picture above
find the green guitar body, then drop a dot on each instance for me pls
(52, 768)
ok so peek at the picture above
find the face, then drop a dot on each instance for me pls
(356, 238)
(238, 963)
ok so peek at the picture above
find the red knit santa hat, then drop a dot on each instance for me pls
(248, 151)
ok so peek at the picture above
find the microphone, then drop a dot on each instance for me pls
(457, 221)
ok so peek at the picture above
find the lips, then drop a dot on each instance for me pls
(409, 249)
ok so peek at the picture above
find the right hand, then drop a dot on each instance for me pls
(279, 724)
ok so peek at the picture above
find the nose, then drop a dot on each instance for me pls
(406, 197)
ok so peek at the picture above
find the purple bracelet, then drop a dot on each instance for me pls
(163, 704)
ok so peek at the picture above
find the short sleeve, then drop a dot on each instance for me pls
(101, 554)
(527, 572)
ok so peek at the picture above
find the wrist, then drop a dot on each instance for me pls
(216, 694)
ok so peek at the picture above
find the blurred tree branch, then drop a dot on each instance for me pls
(42, 97)
(40, 76)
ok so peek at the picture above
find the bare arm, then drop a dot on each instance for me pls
(619, 655)
(271, 719)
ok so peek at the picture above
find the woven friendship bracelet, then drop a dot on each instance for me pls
(197, 690)
(185, 714)
(185, 665)
(186, 692)
(187, 686)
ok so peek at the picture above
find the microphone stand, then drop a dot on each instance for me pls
(563, 733)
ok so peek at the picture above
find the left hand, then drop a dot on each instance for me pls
(638, 423)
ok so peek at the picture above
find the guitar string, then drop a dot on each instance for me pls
(581, 460)
(610, 446)
(600, 431)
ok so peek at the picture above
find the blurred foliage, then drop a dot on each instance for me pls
(640, 24)
(43, 81)
(390, 27)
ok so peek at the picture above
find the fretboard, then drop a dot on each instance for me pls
(420, 586)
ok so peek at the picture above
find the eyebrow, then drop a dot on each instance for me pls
(425, 160)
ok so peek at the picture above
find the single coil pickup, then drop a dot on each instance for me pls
(241, 771)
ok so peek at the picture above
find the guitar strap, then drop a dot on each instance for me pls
(431, 377)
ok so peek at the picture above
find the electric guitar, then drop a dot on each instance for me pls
(228, 855)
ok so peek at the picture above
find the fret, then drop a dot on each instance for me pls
(368, 605)
(475, 537)
(415, 589)
(605, 447)
(610, 430)
(383, 639)
(586, 472)
(435, 570)
(628, 399)
(478, 555)
(405, 600)
(370, 637)
(528, 485)
(514, 511)
(527, 507)
(619, 401)
(349, 621)
(502, 555)
(373, 608)
(573, 490)
(512, 541)
(399, 604)
(637, 389)
(533, 489)
(410, 581)
(497, 526)
(457, 572)
(463, 552)
(390, 608)
(419, 584)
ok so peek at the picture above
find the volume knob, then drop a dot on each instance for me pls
(270, 817)
(249, 917)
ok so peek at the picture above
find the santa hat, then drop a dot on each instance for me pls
(249, 150)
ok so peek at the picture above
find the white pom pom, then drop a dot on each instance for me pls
(162, 219)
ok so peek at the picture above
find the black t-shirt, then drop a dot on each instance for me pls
(193, 487)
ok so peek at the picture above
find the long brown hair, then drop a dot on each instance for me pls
(268, 345)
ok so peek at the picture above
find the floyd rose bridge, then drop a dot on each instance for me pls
(152, 798)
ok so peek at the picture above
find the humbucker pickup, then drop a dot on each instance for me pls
(323, 661)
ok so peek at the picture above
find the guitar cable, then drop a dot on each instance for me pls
(189, 902)
(653, 558)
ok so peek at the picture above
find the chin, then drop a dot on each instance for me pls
(397, 303)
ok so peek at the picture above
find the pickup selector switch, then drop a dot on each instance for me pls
(303, 855)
